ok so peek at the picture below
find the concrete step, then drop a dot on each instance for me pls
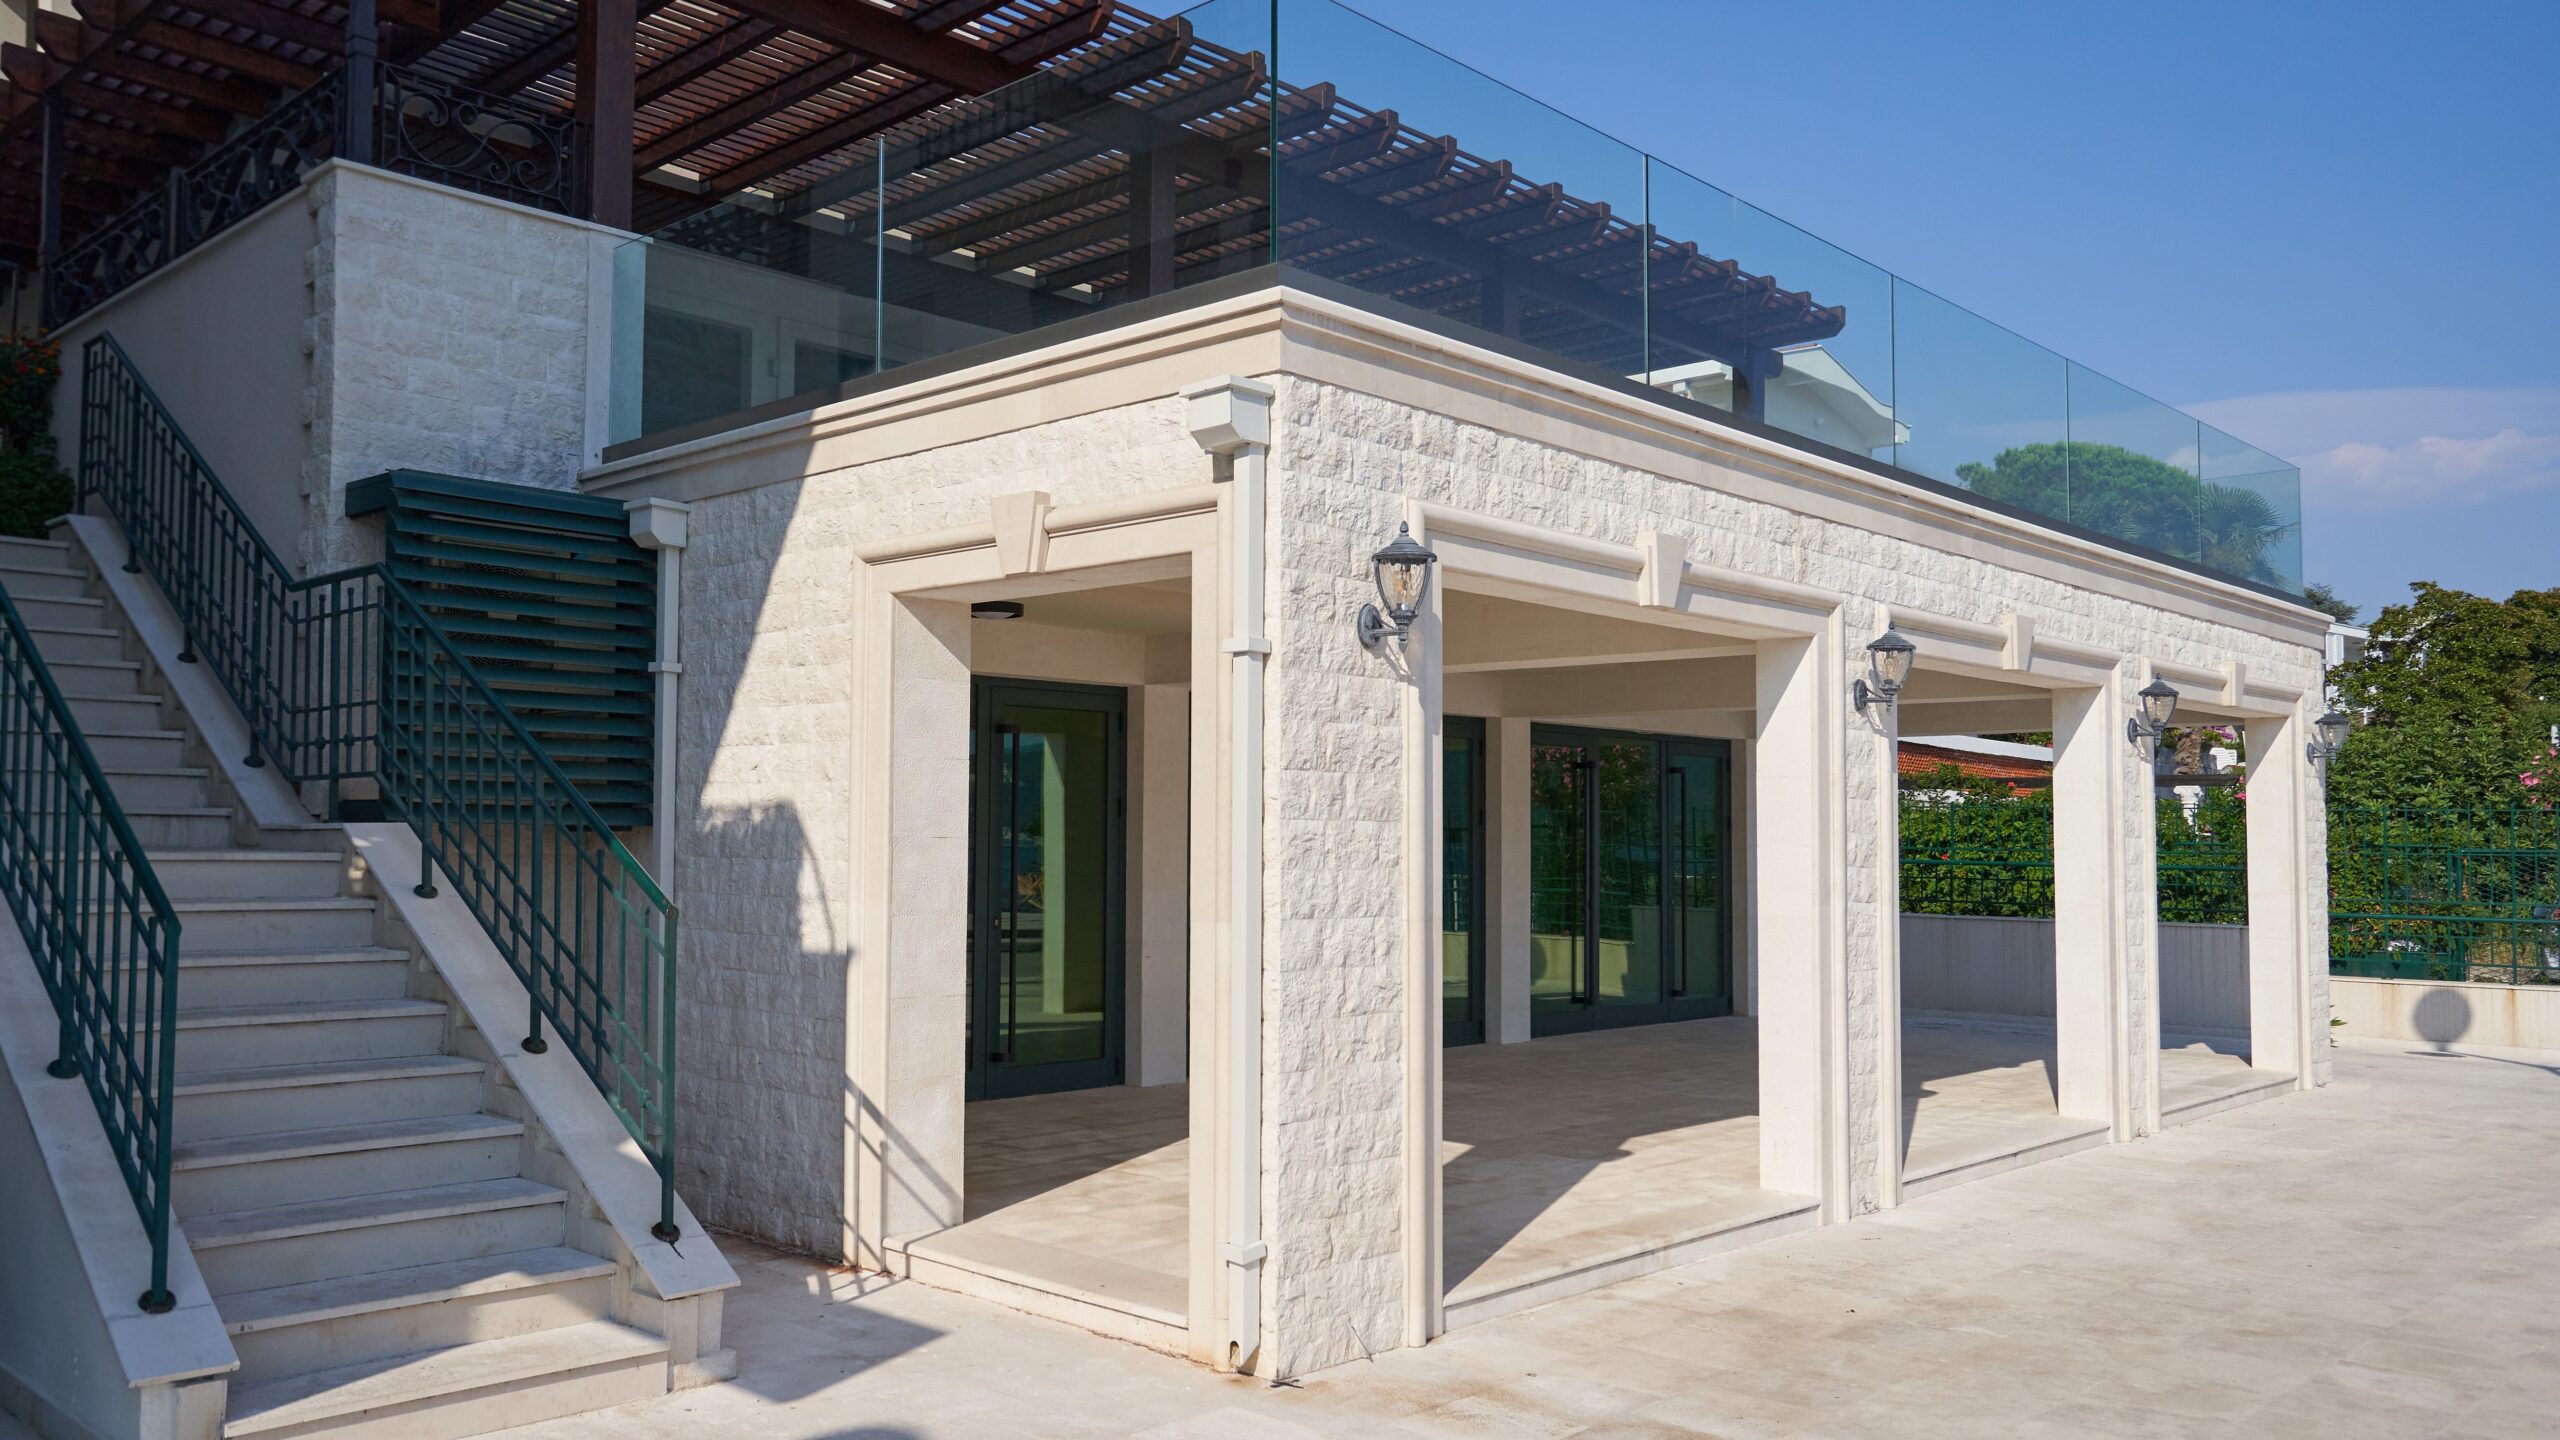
(287, 924)
(266, 1099)
(60, 612)
(181, 785)
(179, 827)
(276, 976)
(251, 874)
(58, 644)
(231, 1037)
(146, 745)
(316, 1240)
(118, 713)
(463, 1390)
(28, 550)
(347, 1319)
(112, 678)
(249, 1172)
(29, 577)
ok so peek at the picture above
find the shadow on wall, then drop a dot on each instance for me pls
(2442, 1017)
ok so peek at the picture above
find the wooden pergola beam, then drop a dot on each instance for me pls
(606, 32)
(931, 55)
(709, 128)
(550, 55)
(230, 55)
(700, 60)
(68, 39)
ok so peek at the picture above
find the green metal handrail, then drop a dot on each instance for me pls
(345, 677)
(102, 931)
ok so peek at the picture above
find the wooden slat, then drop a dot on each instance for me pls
(934, 56)
(70, 39)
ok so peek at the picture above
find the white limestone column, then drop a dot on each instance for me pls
(1423, 725)
(1506, 838)
(1160, 981)
(2279, 979)
(1797, 903)
(2089, 906)
(910, 1050)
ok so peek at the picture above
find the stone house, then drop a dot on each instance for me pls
(1084, 902)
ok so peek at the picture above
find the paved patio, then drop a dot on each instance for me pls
(1561, 1156)
(2378, 1258)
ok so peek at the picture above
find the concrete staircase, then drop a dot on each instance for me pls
(352, 1167)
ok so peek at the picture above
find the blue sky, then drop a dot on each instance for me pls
(2332, 230)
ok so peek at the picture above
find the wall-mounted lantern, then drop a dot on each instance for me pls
(2329, 734)
(1402, 571)
(2159, 706)
(1889, 658)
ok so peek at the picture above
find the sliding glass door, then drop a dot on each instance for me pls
(1627, 880)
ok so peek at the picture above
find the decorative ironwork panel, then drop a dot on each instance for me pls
(262, 164)
(457, 136)
(127, 248)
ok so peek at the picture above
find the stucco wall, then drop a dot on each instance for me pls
(220, 338)
(368, 322)
(2443, 1013)
(2003, 966)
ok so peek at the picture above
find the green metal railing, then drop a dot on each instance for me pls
(1978, 857)
(102, 931)
(2459, 894)
(346, 678)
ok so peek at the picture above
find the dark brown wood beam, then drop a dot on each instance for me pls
(230, 55)
(550, 55)
(606, 30)
(699, 60)
(932, 55)
(704, 129)
(869, 120)
(68, 39)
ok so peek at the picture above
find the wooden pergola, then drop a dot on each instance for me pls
(1140, 160)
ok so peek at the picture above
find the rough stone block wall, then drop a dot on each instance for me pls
(447, 333)
(766, 865)
(1343, 463)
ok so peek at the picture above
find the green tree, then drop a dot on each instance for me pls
(2320, 597)
(2455, 697)
(2135, 497)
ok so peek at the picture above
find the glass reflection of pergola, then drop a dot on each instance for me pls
(1078, 150)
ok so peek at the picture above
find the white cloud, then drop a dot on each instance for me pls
(2402, 449)
(2433, 470)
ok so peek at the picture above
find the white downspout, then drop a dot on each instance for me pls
(659, 525)
(1231, 416)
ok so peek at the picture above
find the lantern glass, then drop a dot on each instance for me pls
(1889, 658)
(2159, 705)
(2333, 728)
(1403, 572)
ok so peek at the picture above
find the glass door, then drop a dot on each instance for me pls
(1047, 888)
(1699, 776)
(1628, 839)
(1462, 859)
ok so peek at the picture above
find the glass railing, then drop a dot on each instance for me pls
(1167, 153)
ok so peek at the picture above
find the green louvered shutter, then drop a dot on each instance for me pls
(548, 596)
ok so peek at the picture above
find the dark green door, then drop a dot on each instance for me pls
(1627, 854)
(1462, 861)
(1047, 888)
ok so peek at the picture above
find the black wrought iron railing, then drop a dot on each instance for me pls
(346, 677)
(101, 929)
(413, 123)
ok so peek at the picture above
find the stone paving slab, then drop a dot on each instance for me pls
(2379, 1258)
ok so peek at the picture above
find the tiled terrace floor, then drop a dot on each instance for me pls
(1559, 1155)
(2378, 1258)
